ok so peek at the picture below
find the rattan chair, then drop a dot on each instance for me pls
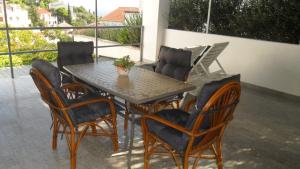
(76, 112)
(175, 63)
(72, 53)
(185, 135)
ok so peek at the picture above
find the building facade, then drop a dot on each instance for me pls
(47, 17)
(16, 15)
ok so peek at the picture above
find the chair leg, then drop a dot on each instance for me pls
(115, 136)
(146, 159)
(55, 132)
(72, 151)
(146, 143)
(146, 152)
(94, 130)
(126, 119)
(196, 163)
(219, 154)
(186, 162)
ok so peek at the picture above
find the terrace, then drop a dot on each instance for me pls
(265, 131)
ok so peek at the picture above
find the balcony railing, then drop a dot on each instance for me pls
(97, 28)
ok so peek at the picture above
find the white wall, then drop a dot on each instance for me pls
(155, 20)
(267, 64)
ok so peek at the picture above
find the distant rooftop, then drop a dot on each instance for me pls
(42, 11)
(118, 15)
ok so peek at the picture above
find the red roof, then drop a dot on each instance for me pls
(42, 11)
(118, 15)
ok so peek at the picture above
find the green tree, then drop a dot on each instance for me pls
(33, 15)
(26, 40)
(188, 15)
(274, 20)
(45, 3)
(57, 34)
(131, 35)
(69, 20)
(20, 2)
(83, 17)
(61, 13)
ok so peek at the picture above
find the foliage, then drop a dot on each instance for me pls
(127, 35)
(277, 20)
(69, 19)
(124, 62)
(45, 3)
(40, 3)
(26, 40)
(131, 35)
(111, 34)
(83, 17)
(57, 34)
(35, 20)
(61, 13)
(188, 15)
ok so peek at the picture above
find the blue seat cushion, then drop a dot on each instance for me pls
(169, 135)
(174, 63)
(173, 137)
(88, 113)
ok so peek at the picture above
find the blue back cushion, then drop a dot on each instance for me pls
(72, 53)
(48, 70)
(52, 74)
(174, 63)
(206, 92)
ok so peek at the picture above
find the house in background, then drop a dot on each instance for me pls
(47, 17)
(16, 15)
(117, 16)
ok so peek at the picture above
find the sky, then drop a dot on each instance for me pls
(104, 6)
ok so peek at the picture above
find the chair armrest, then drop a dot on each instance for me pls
(84, 103)
(167, 123)
(80, 104)
(201, 133)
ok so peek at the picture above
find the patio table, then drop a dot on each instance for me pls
(140, 86)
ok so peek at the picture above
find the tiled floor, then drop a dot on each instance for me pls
(265, 134)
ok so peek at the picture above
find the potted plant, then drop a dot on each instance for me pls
(123, 65)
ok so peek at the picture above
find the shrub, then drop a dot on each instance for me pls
(126, 35)
(26, 40)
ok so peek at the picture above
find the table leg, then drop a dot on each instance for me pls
(131, 138)
(126, 143)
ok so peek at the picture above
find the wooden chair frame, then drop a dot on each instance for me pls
(229, 94)
(61, 119)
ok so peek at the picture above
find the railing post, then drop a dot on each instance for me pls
(208, 16)
(96, 31)
(8, 40)
(142, 44)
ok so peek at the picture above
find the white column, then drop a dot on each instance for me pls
(155, 21)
